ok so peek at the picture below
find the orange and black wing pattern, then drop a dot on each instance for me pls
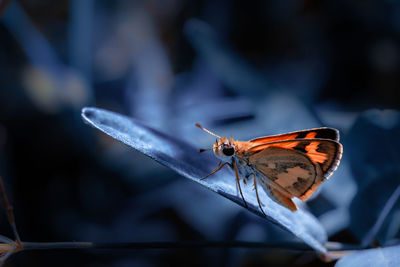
(319, 133)
(296, 167)
(325, 153)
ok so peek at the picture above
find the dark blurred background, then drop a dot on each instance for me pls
(242, 69)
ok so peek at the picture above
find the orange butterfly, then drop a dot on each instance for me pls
(286, 165)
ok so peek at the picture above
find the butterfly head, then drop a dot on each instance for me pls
(224, 149)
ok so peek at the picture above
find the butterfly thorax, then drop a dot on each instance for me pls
(242, 147)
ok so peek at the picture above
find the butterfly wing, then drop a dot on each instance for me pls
(325, 153)
(321, 133)
(295, 167)
(277, 195)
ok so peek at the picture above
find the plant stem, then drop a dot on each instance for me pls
(165, 245)
(381, 218)
(181, 245)
(9, 209)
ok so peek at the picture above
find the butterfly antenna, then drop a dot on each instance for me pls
(204, 129)
(202, 150)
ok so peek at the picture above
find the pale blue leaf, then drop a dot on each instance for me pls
(372, 146)
(388, 257)
(185, 160)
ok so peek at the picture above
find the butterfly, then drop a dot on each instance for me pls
(286, 165)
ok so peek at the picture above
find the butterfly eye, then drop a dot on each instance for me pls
(229, 151)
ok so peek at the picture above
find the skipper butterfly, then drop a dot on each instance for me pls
(286, 165)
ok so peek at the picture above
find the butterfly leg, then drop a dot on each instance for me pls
(258, 198)
(219, 167)
(238, 183)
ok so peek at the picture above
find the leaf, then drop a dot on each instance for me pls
(367, 209)
(50, 84)
(232, 69)
(149, 60)
(388, 257)
(337, 194)
(185, 160)
(372, 145)
(238, 74)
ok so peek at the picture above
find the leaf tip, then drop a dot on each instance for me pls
(87, 113)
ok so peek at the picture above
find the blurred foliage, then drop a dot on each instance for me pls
(243, 69)
(370, 257)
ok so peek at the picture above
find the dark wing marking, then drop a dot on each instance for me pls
(321, 133)
(323, 152)
(290, 172)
